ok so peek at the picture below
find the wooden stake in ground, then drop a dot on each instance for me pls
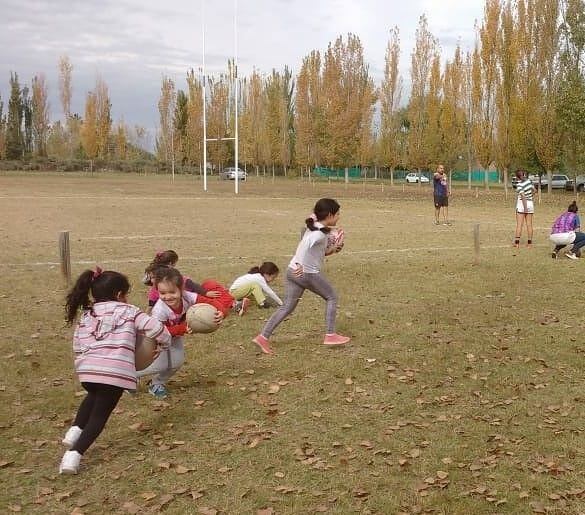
(476, 244)
(65, 256)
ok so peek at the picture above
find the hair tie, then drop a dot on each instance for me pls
(313, 216)
(158, 254)
(97, 272)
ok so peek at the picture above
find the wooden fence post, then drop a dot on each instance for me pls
(65, 256)
(476, 244)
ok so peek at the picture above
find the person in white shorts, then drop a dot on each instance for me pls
(524, 207)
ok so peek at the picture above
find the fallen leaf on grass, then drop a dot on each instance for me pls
(15, 507)
(273, 388)
(265, 511)
(441, 474)
(204, 510)
(148, 496)
(182, 470)
(414, 453)
(5, 463)
(131, 507)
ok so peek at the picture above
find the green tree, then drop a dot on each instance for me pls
(180, 122)
(89, 127)
(14, 137)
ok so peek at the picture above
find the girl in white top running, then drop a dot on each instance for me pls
(304, 273)
(254, 285)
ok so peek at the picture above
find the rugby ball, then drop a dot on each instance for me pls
(201, 318)
(144, 351)
(335, 239)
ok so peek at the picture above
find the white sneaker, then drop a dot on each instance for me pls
(70, 463)
(570, 255)
(71, 436)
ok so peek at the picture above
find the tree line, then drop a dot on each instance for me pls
(517, 99)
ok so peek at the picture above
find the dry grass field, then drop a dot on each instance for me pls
(461, 392)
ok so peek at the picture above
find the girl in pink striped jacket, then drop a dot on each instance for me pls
(104, 344)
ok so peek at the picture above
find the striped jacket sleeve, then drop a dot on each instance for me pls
(152, 328)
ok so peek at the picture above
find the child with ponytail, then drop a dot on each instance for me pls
(104, 343)
(254, 285)
(304, 273)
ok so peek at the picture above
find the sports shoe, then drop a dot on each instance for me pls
(554, 254)
(437, 222)
(263, 343)
(159, 391)
(447, 223)
(71, 436)
(70, 463)
(244, 307)
(335, 339)
(570, 255)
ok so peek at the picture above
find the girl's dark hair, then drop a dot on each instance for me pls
(573, 207)
(165, 258)
(323, 208)
(167, 273)
(520, 174)
(266, 268)
(103, 286)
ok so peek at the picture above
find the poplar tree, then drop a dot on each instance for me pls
(425, 51)
(390, 94)
(485, 85)
(166, 108)
(309, 117)
(452, 119)
(71, 131)
(507, 95)
(432, 134)
(218, 119)
(546, 131)
(571, 103)
(252, 119)
(14, 137)
(348, 96)
(28, 123)
(89, 128)
(40, 114)
(194, 127)
(180, 121)
(103, 117)
(2, 131)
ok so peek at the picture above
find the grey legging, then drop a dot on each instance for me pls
(294, 287)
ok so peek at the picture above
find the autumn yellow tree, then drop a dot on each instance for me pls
(40, 114)
(452, 120)
(252, 120)
(484, 87)
(103, 117)
(166, 108)
(390, 94)
(547, 143)
(348, 96)
(219, 118)
(507, 93)
(194, 128)
(422, 57)
(89, 128)
(309, 121)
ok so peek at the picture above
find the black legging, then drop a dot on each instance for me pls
(94, 411)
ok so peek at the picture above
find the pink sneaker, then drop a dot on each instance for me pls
(244, 307)
(335, 339)
(263, 343)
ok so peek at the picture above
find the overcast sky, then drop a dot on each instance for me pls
(133, 43)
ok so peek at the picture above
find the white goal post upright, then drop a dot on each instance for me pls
(236, 100)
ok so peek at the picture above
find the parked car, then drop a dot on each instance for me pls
(416, 177)
(229, 173)
(579, 182)
(559, 181)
